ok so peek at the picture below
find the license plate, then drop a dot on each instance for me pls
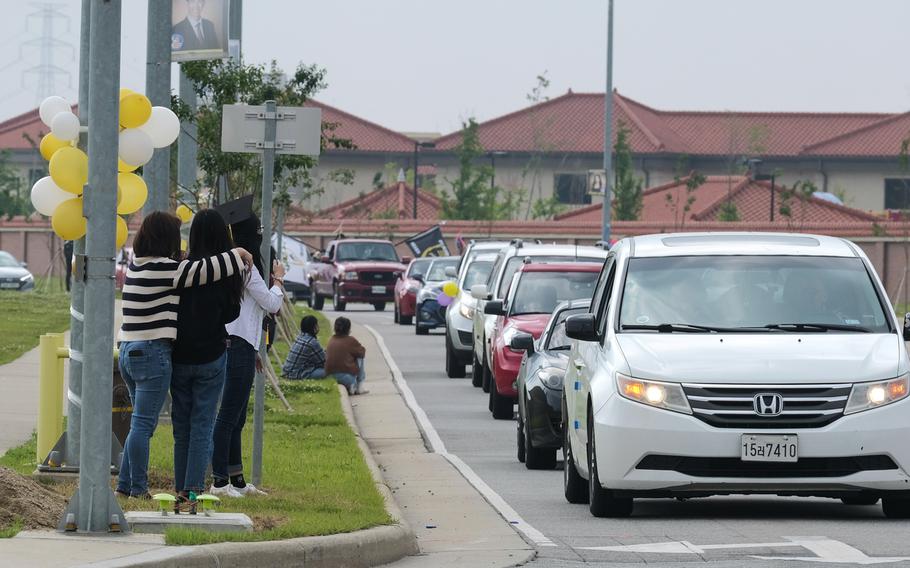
(9, 284)
(764, 448)
(379, 289)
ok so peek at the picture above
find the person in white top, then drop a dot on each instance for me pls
(245, 335)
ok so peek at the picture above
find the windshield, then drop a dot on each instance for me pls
(751, 292)
(478, 273)
(558, 340)
(438, 269)
(367, 251)
(541, 292)
(514, 263)
(7, 260)
(419, 267)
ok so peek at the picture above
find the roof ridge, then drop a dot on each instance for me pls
(824, 202)
(638, 122)
(361, 119)
(740, 183)
(377, 195)
(849, 133)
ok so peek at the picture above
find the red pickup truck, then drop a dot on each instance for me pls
(355, 271)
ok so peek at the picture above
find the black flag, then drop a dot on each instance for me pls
(428, 243)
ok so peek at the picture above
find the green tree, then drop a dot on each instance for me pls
(14, 197)
(627, 189)
(473, 196)
(546, 208)
(678, 203)
(728, 212)
(218, 83)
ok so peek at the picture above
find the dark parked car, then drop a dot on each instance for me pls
(539, 387)
(13, 275)
(429, 314)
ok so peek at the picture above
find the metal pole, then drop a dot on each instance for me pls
(77, 301)
(493, 170)
(93, 507)
(279, 245)
(235, 28)
(416, 166)
(608, 131)
(268, 172)
(186, 144)
(772, 198)
(157, 172)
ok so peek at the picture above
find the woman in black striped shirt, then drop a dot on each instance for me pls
(150, 304)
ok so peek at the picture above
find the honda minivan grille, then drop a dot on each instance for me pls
(768, 406)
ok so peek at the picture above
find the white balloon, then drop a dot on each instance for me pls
(163, 127)
(51, 107)
(65, 126)
(47, 195)
(136, 147)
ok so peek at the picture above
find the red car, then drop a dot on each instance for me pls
(534, 293)
(355, 271)
(406, 288)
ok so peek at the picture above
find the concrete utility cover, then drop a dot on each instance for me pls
(155, 522)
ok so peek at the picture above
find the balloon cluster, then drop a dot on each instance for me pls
(60, 195)
(447, 295)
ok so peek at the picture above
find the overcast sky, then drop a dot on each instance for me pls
(424, 65)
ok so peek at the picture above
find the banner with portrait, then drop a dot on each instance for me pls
(199, 29)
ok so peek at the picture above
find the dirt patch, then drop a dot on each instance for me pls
(267, 522)
(28, 501)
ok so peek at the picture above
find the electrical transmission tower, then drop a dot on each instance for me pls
(46, 72)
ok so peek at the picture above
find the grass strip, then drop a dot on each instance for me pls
(28, 315)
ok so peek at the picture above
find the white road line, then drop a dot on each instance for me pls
(437, 446)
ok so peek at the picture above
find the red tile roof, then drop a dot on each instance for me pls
(367, 136)
(752, 200)
(395, 201)
(13, 130)
(573, 123)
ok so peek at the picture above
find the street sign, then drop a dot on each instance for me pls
(596, 182)
(298, 130)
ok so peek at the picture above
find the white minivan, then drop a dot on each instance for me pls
(742, 363)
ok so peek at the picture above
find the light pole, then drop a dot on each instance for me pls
(493, 166)
(417, 146)
(754, 164)
(608, 129)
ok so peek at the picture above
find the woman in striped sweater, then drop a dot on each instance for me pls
(150, 302)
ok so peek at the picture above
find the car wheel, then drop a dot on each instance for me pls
(379, 306)
(520, 438)
(601, 501)
(396, 316)
(537, 458)
(896, 507)
(336, 300)
(316, 301)
(476, 370)
(420, 330)
(502, 407)
(487, 375)
(405, 320)
(454, 366)
(860, 499)
(575, 486)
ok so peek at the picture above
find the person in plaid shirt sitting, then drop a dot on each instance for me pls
(307, 357)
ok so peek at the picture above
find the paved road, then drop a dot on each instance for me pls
(459, 413)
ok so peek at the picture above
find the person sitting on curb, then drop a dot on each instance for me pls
(306, 359)
(344, 358)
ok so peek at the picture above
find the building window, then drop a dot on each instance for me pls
(34, 174)
(897, 193)
(571, 189)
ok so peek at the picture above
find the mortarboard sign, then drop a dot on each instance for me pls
(236, 211)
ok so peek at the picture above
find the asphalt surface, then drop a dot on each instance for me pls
(715, 530)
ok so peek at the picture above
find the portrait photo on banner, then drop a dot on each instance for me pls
(199, 29)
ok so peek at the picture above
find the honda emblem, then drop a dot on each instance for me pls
(768, 404)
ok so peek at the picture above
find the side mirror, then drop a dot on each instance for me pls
(406, 259)
(419, 278)
(582, 327)
(494, 308)
(907, 327)
(325, 259)
(480, 292)
(522, 342)
(451, 272)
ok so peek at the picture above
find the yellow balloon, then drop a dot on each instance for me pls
(183, 245)
(124, 92)
(184, 212)
(135, 110)
(69, 169)
(122, 232)
(50, 144)
(134, 193)
(67, 220)
(124, 167)
(450, 289)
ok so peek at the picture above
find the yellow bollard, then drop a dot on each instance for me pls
(48, 416)
(62, 354)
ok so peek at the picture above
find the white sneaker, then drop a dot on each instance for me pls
(248, 490)
(226, 491)
(361, 389)
(352, 389)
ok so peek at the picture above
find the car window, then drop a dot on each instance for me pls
(514, 263)
(330, 253)
(751, 292)
(437, 269)
(541, 292)
(367, 251)
(7, 260)
(419, 266)
(557, 340)
(609, 276)
(478, 272)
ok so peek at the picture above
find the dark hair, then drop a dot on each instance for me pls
(342, 326)
(209, 236)
(246, 235)
(308, 324)
(159, 236)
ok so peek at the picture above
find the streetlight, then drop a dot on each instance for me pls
(608, 129)
(493, 166)
(417, 146)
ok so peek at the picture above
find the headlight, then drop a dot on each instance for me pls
(351, 275)
(551, 377)
(466, 311)
(866, 396)
(25, 278)
(668, 396)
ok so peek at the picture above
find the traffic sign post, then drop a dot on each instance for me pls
(268, 129)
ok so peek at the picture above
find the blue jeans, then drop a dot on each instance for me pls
(146, 369)
(314, 374)
(195, 390)
(347, 379)
(241, 368)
